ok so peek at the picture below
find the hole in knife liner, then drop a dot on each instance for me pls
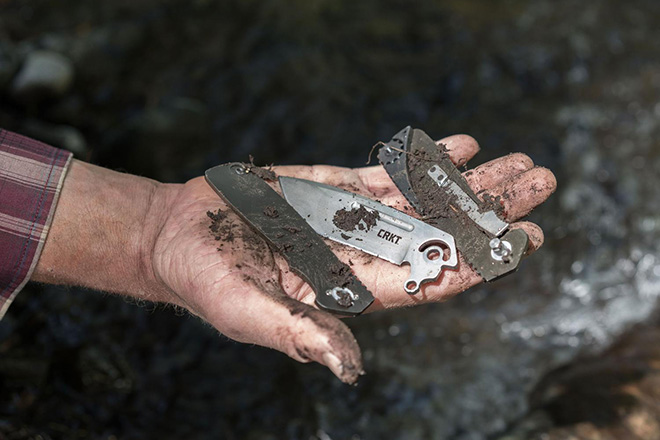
(433, 254)
(411, 286)
(434, 250)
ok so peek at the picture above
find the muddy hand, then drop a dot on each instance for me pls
(180, 244)
(218, 268)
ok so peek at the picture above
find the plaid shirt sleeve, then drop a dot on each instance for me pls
(31, 175)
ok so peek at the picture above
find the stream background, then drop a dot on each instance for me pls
(166, 89)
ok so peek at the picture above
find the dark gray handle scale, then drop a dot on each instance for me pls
(288, 233)
(471, 241)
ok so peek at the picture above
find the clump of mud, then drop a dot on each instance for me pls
(357, 218)
(266, 174)
(492, 203)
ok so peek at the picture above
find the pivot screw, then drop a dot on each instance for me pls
(500, 250)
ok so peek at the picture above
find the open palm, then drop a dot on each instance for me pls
(247, 292)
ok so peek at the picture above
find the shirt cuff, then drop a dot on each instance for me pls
(31, 176)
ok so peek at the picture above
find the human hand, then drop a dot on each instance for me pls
(125, 234)
(247, 292)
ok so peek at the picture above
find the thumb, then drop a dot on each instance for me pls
(261, 313)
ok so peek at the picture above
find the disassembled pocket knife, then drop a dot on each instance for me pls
(453, 217)
(374, 228)
(435, 188)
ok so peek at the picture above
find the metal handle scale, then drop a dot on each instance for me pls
(287, 232)
(474, 228)
(485, 219)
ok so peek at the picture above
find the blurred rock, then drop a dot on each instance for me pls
(606, 397)
(60, 136)
(43, 74)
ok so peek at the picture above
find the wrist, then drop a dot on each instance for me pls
(160, 201)
(103, 232)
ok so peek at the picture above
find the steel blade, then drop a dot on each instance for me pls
(374, 228)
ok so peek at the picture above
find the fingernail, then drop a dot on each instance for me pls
(348, 374)
(331, 361)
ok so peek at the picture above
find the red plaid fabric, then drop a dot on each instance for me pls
(31, 175)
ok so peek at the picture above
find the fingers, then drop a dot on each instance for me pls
(261, 313)
(497, 171)
(460, 147)
(524, 192)
(374, 180)
(535, 234)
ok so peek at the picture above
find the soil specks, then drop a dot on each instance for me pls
(492, 203)
(219, 228)
(271, 212)
(341, 274)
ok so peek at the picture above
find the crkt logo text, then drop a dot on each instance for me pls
(389, 236)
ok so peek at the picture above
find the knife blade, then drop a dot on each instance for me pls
(374, 228)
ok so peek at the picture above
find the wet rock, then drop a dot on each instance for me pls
(606, 396)
(60, 136)
(24, 368)
(43, 74)
(57, 43)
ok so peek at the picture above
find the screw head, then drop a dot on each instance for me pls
(500, 250)
(238, 168)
